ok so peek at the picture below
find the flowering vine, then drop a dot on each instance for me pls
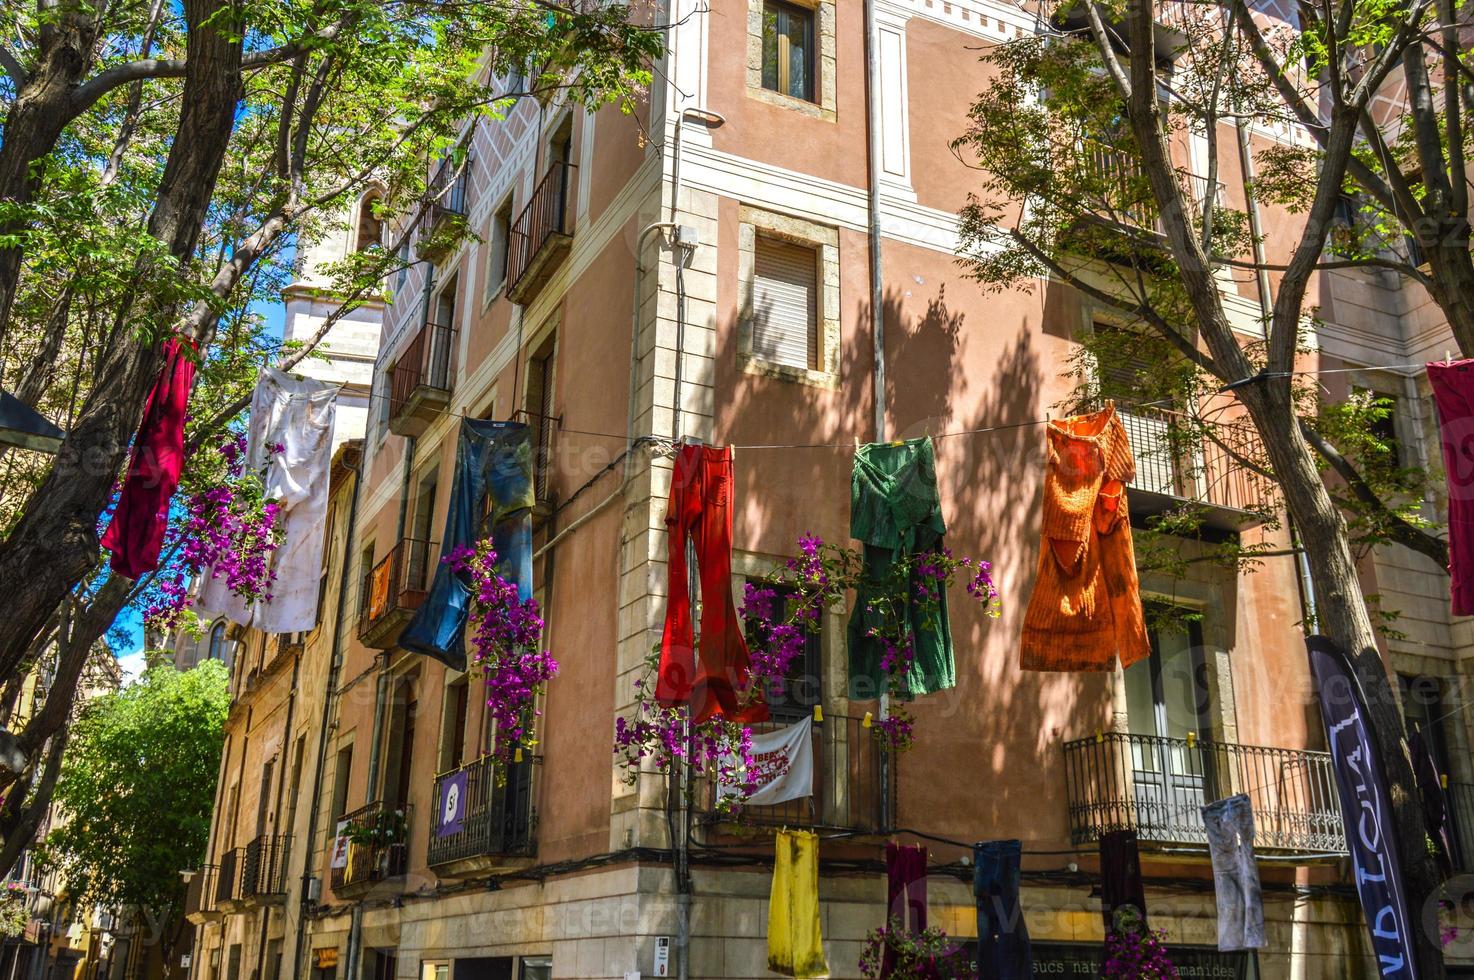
(230, 530)
(14, 909)
(820, 578)
(662, 736)
(1137, 954)
(899, 954)
(781, 613)
(507, 651)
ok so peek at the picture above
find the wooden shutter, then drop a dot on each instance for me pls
(784, 302)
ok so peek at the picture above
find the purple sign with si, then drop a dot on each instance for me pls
(450, 813)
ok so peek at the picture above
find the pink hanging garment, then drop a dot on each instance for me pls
(137, 531)
(1453, 393)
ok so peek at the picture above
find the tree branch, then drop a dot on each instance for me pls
(17, 72)
(1399, 529)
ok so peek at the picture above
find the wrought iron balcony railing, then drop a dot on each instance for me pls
(374, 847)
(851, 771)
(1157, 787)
(200, 902)
(263, 866)
(393, 589)
(448, 196)
(1184, 459)
(541, 235)
(422, 379)
(498, 815)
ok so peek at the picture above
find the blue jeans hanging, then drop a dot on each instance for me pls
(1004, 952)
(493, 460)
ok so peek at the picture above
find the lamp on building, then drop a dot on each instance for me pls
(23, 426)
(187, 875)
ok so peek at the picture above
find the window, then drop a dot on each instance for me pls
(1423, 711)
(424, 523)
(342, 770)
(784, 302)
(793, 697)
(453, 741)
(788, 282)
(788, 49)
(370, 231)
(217, 641)
(498, 237)
(536, 968)
(540, 381)
(385, 963)
(435, 970)
(233, 962)
(1167, 695)
(405, 261)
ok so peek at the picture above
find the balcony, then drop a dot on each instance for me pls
(393, 590)
(421, 381)
(1183, 460)
(377, 849)
(445, 210)
(253, 875)
(1117, 194)
(280, 650)
(1157, 787)
(500, 822)
(541, 236)
(263, 867)
(849, 777)
(200, 903)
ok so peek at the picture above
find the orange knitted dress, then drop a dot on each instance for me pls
(1086, 606)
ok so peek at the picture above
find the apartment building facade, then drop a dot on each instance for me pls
(703, 269)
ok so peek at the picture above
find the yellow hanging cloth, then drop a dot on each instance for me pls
(795, 948)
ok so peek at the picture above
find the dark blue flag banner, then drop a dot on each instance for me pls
(1366, 809)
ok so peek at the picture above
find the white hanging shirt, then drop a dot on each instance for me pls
(296, 413)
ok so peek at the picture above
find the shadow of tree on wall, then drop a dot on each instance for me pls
(985, 763)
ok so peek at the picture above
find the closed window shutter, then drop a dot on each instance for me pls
(784, 300)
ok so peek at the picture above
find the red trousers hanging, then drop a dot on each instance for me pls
(905, 877)
(137, 531)
(713, 678)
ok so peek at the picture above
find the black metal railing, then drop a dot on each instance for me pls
(1204, 462)
(1460, 801)
(227, 877)
(546, 215)
(447, 191)
(1122, 191)
(376, 848)
(425, 365)
(499, 812)
(1157, 787)
(263, 866)
(850, 776)
(397, 583)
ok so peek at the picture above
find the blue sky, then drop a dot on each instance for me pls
(130, 620)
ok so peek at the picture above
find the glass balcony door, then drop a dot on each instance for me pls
(1169, 706)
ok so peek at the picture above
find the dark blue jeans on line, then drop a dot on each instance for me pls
(1003, 937)
(493, 460)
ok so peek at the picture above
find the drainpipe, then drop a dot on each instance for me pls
(1266, 311)
(329, 699)
(877, 283)
(877, 288)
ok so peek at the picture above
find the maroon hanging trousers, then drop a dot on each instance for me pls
(712, 678)
(905, 885)
(137, 531)
(1453, 393)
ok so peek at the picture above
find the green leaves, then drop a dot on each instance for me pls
(137, 784)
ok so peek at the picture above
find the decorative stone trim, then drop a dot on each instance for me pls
(824, 61)
(825, 240)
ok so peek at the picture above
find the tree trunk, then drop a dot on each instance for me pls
(1341, 614)
(55, 542)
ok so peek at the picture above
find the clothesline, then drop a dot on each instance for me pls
(981, 430)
